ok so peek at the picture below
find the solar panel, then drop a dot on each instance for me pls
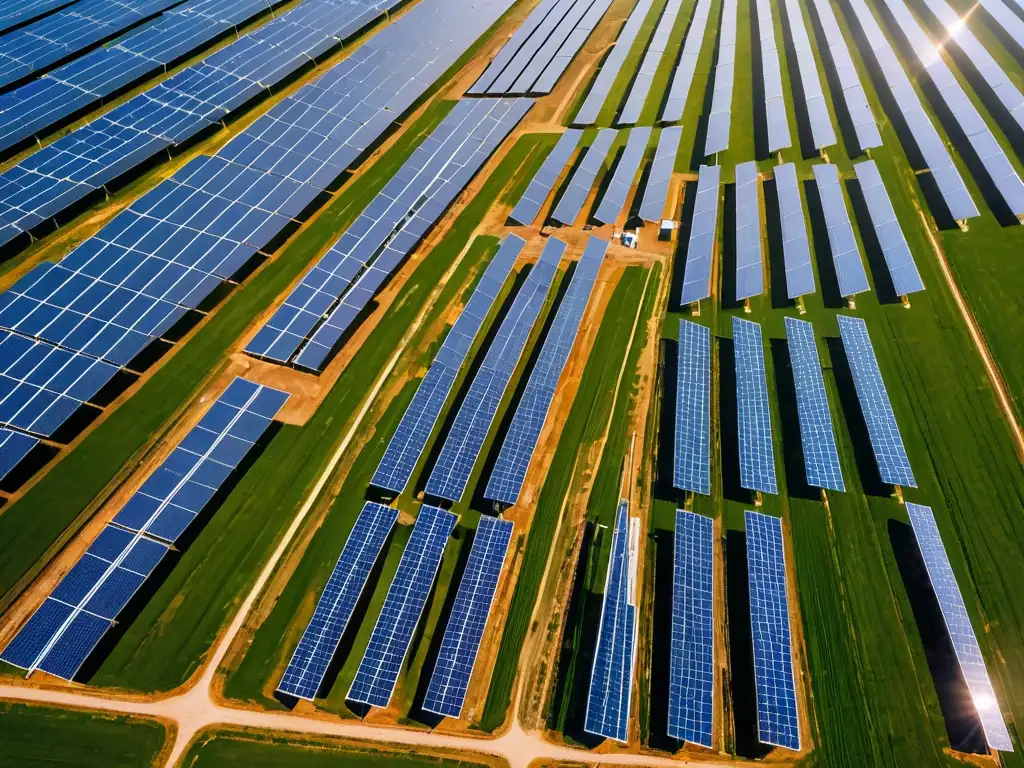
(407, 444)
(932, 147)
(572, 45)
(543, 182)
(644, 77)
(538, 76)
(389, 643)
(185, 482)
(720, 117)
(538, 15)
(682, 78)
(692, 464)
(612, 64)
(575, 195)
(749, 255)
(822, 132)
(14, 446)
(1004, 16)
(771, 75)
(958, 625)
(905, 277)
(796, 251)
(821, 458)
(757, 457)
(777, 720)
(886, 442)
(843, 242)
(509, 471)
(656, 192)
(856, 100)
(700, 250)
(304, 675)
(17, 12)
(466, 437)
(611, 677)
(446, 692)
(691, 690)
(615, 195)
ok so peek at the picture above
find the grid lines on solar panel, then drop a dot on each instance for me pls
(720, 116)
(446, 692)
(958, 625)
(692, 461)
(178, 490)
(691, 692)
(749, 254)
(700, 250)
(841, 238)
(884, 433)
(757, 456)
(644, 77)
(821, 458)
(771, 76)
(19, 12)
(410, 438)
(575, 195)
(796, 250)
(660, 176)
(544, 180)
(614, 199)
(686, 67)
(382, 662)
(451, 472)
(509, 471)
(822, 132)
(61, 634)
(611, 677)
(560, 62)
(14, 446)
(777, 720)
(304, 675)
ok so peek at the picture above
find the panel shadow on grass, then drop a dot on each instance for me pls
(682, 243)
(760, 113)
(729, 422)
(728, 260)
(792, 440)
(661, 641)
(884, 286)
(829, 283)
(778, 290)
(664, 487)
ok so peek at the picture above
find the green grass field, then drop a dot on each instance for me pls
(41, 737)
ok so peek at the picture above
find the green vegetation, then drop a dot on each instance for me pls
(41, 737)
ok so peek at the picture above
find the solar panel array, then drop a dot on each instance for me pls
(905, 277)
(682, 78)
(644, 77)
(529, 205)
(611, 677)
(997, 165)
(14, 447)
(796, 250)
(333, 293)
(700, 250)
(884, 433)
(612, 64)
(446, 692)
(777, 720)
(541, 48)
(822, 132)
(466, 437)
(749, 253)
(407, 444)
(841, 238)
(67, 627)
(656, 192)
(575, 195)
(17, 12)
(958, 624)
(304, 675)
(691, 689)
(615, 194)
(856, 100)
(821, 457)
(509, 471)
(757, 457)
(720, 117)
(329, 122)
(389, 643)
(771, 73)
(1010, 22)
(692, 462)
(929, 143)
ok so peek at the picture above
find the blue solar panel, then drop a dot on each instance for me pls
(575, 195)
(409, 440)
(720, 116)
(644, 77)
(958, 625)
(543, 182)
(14, 446)
(454, 465)
(845, 251)
(700, 251)
(17, 12)
(884, 433)
(305, 673)
(509, 472)
(656, 192)
(692, 455)
(682, 79)
(615, 194)
(691, 692)
(821, 458)
(777, 720)
(757, 458)
(389, 643)
(749, 253)
(796, 250)
(446, 692)
(611, 678)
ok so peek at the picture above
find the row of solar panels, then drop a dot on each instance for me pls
(845, 251)
(692, 443)
(17, 12)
